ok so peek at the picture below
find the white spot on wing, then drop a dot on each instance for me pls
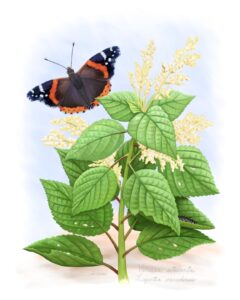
(103, 55)
(41, 88)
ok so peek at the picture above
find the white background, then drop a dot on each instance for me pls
(22, 24)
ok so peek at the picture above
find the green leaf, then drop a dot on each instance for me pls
(147, 191)
(68, 251)
(154, 130)
(174, 104)
(73, 168)
(136, 163)
(93, 189)
(190, 216)
(98, 141)
(139, 222)
(60, 200)
(160, 242)
(118, 105)
(196, 179)
(134, 106)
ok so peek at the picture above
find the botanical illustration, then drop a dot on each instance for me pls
(145, 158)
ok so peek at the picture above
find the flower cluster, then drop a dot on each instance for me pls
(73, 125)
(56, 139)
(170, 74)
(109, 162)
(139, 79)
(152, 156)
(187, 129)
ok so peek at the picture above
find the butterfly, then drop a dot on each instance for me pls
(79, 91)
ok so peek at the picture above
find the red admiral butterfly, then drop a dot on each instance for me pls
(78, 91)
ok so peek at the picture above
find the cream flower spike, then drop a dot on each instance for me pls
(58, 140)
(139, 79)
(152, 156)
(73, 125)
(187, 129)
(109, 162)
(171, 74)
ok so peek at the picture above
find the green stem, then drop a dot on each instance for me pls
(122, 266)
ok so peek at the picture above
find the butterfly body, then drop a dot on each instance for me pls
(78, 91)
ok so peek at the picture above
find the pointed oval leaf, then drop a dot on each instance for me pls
(139, 222)
(174, 104)
(73, 168)
(68, 251)
(190, 216)
(196, 179)
(60, 200)
(154, 130)
(160, 242)
(93, 189)
(147, 191)
(117, 105)
(98, 141)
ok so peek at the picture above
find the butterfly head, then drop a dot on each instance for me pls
(70, 71)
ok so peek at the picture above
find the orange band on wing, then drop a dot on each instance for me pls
(99, 67)
(52, 94)
(71, 110)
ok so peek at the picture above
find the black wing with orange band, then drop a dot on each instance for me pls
(94, 81)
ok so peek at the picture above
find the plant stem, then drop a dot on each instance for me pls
(110, 267)
(122, 267)
(112, 241)
(129, 250)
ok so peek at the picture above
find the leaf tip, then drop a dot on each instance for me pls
(28, 248)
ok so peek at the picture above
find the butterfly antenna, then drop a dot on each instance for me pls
(72, 53)
(55, 63)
